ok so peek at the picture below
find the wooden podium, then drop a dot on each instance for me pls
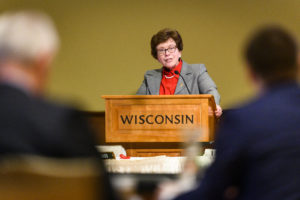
(150, 125)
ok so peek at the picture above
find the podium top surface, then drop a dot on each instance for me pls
(192, 96)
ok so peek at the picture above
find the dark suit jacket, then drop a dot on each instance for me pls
(32, 126)
(258, 150)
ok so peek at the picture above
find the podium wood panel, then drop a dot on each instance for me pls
(158, 118)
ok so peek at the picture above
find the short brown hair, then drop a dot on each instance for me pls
(272, 54)
(162, 36)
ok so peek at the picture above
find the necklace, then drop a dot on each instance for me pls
(168, 77)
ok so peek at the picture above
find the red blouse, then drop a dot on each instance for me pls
(169, 80)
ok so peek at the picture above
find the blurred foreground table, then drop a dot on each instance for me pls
(138, 178)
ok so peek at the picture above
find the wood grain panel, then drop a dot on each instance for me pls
(158, 118)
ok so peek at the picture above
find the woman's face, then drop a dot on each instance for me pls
(168, 54)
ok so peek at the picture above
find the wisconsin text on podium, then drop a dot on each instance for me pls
(157, 119)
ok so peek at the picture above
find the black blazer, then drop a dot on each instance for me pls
(29, 125)
(257, 150)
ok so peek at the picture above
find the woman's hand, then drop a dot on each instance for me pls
(218, 111)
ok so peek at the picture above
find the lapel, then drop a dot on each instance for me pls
(153, 79)
(186, 73)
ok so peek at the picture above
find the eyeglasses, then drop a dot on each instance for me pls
(164, 51)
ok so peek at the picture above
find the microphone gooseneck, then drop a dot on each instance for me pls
(177, 72)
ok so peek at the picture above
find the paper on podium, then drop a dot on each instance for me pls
(116, 149)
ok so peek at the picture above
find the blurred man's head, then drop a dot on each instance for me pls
(28, 42)
(271, 55)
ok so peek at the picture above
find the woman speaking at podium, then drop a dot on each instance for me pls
(176, 76)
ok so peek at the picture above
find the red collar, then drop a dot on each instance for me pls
(171, 72)
(169, 80)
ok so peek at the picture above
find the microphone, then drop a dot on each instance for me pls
(177, 72)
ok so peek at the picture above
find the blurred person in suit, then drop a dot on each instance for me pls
(30, 124)
(258, 144)
(176, 76)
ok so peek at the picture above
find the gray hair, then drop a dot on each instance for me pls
(26, 35)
